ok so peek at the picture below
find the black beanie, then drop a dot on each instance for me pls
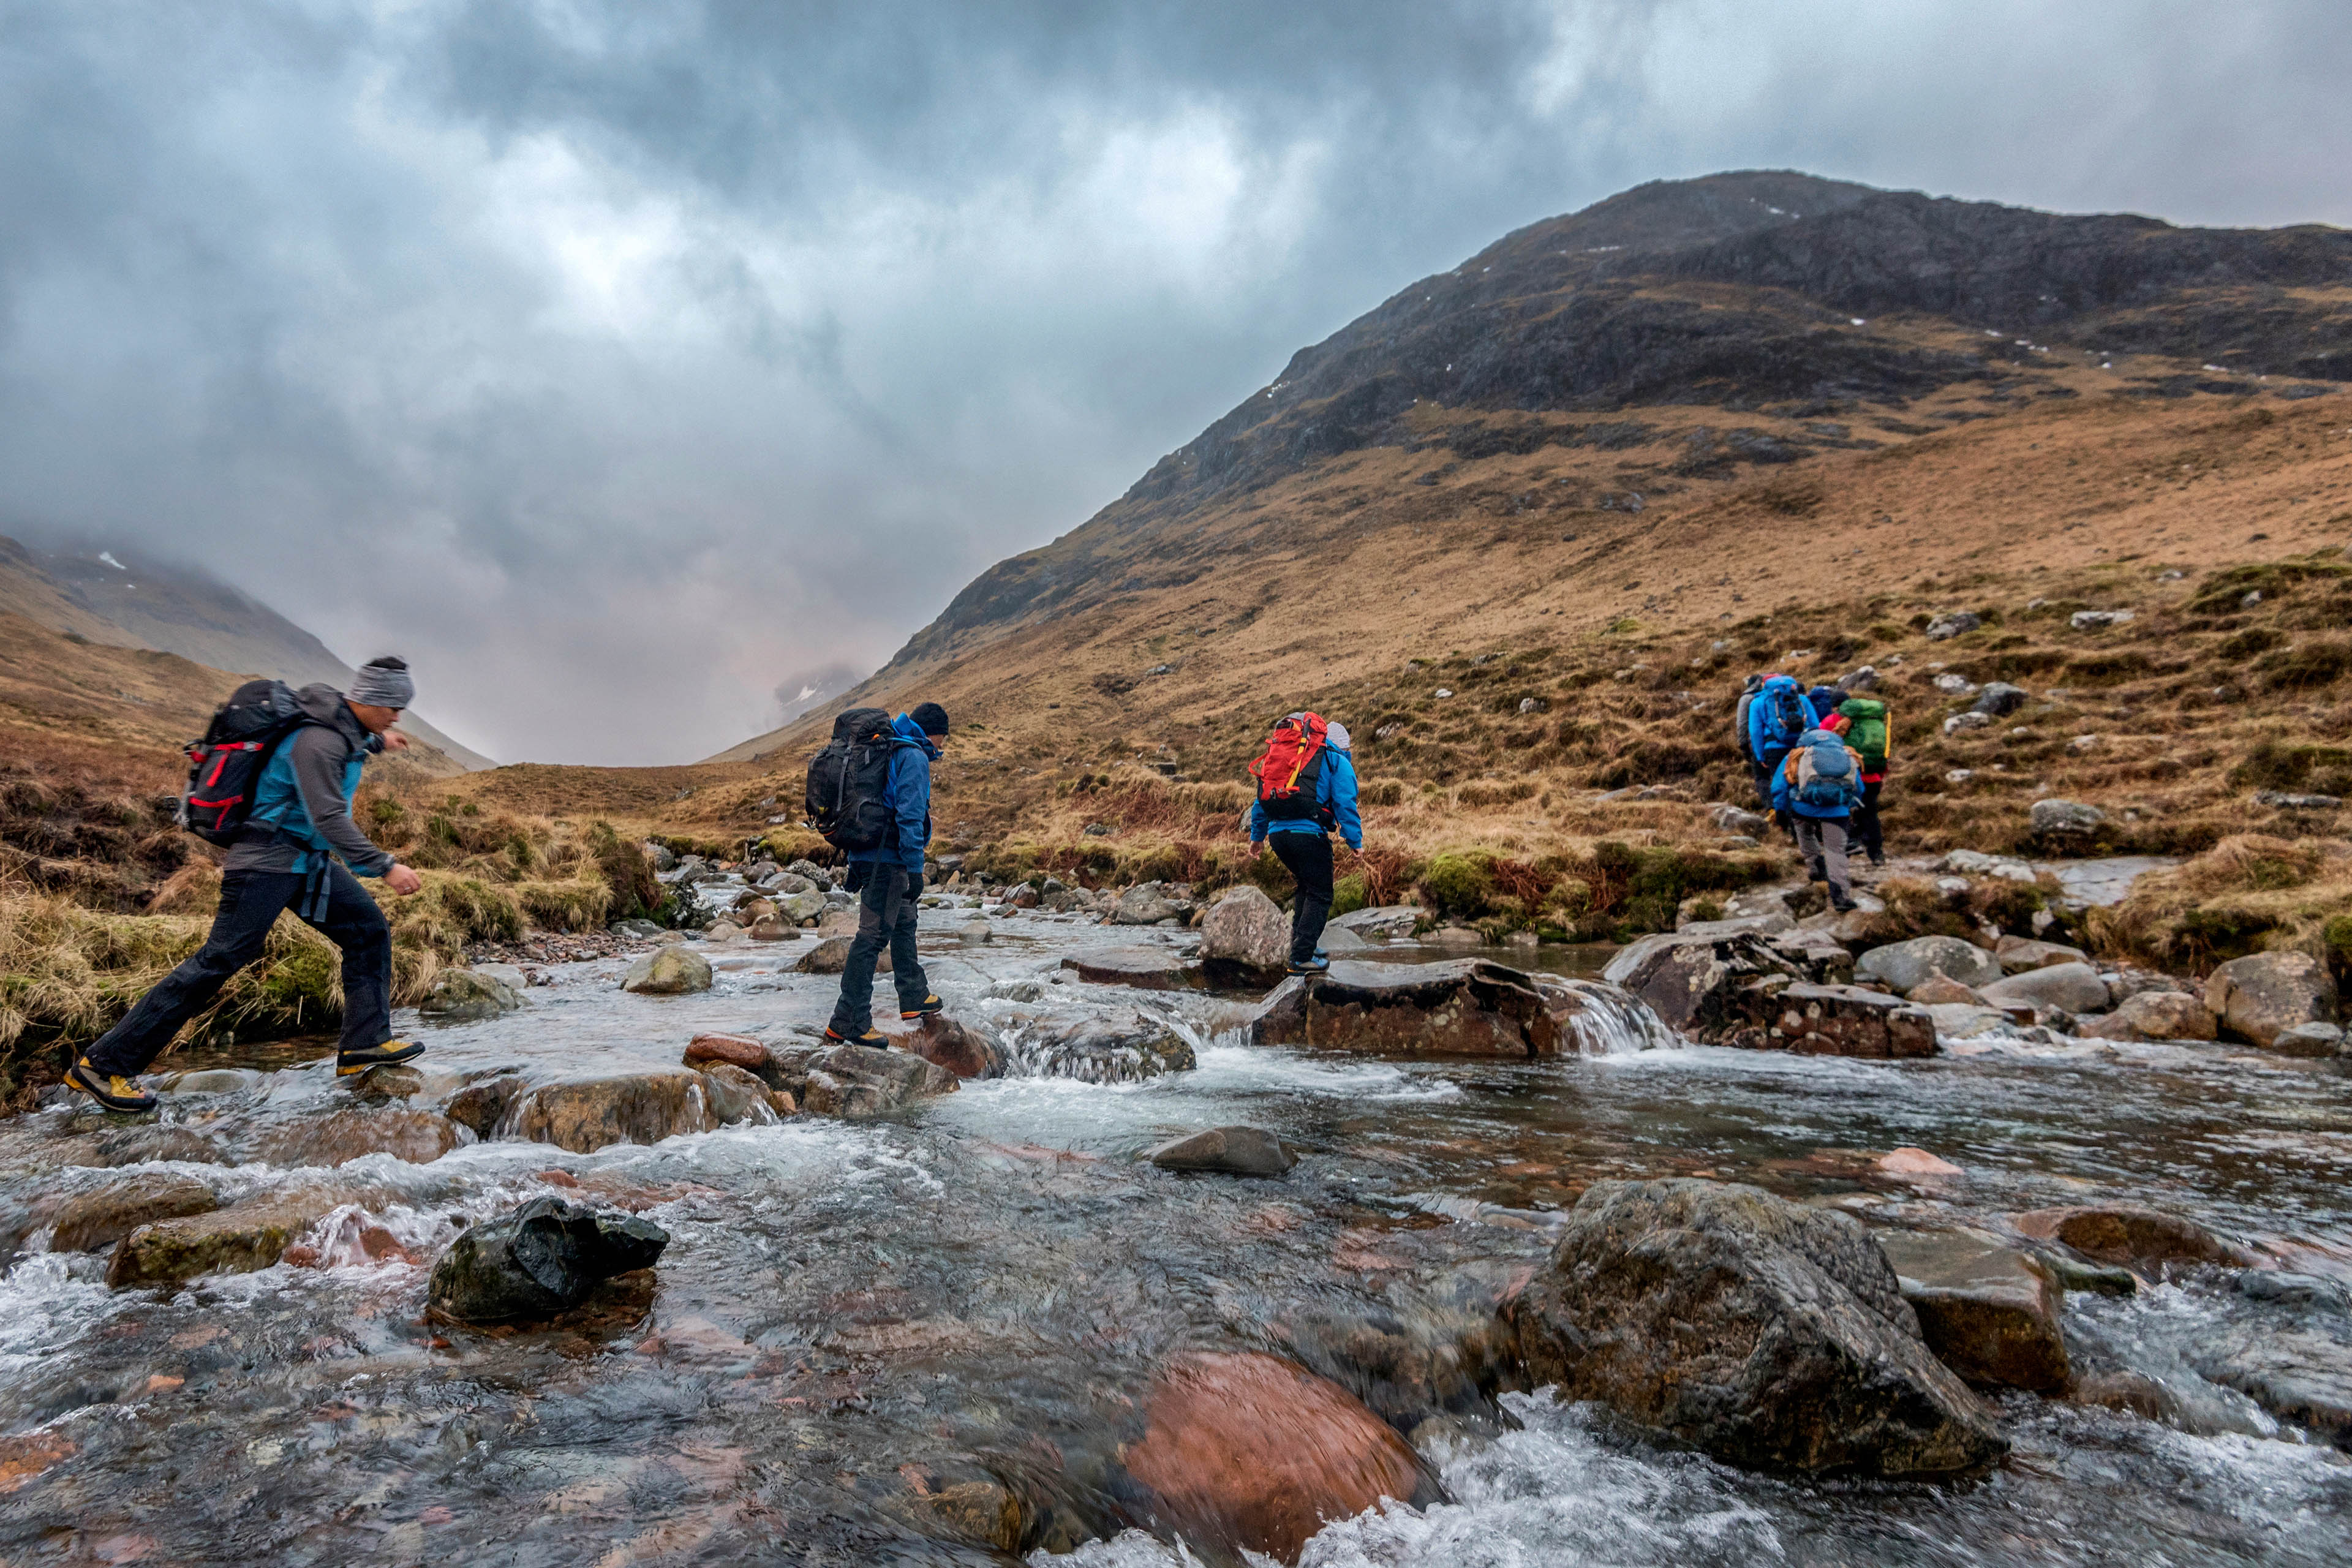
(930, 719)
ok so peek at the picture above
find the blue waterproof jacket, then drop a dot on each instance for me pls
(911, 799)
(1764, 736)
(1335, 789)
(1786, 798)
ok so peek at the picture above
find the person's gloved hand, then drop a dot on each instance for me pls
(860, 873)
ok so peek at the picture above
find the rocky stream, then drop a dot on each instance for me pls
(1488, 1265)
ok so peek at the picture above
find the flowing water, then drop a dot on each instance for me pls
(855, 1322)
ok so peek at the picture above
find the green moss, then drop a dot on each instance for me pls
(1349, 895)
(1458, 883)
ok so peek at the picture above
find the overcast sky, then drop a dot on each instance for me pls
(622, 362)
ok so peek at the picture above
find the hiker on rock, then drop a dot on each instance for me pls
(888, 875)
(1777, 716)
(1306, 788)
(300, 754)
(1819, 784)
(1863, 722)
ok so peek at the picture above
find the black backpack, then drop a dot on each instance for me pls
(225, 768)
(848, 796)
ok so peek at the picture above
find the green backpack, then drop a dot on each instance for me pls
(1867, 733)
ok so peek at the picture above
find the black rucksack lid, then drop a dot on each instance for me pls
(861, 723)
(254, 709)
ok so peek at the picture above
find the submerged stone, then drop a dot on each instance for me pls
(1144, 968)
(416, 1137)
(234, 1240)
(1760, 1331)
(1249, 1452)
(2129, 1235)
(1231, 1150)
(585, 1114)
(538, 1259)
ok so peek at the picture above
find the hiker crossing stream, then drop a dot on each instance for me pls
(979, 1325)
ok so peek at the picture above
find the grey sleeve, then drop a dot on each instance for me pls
(318, 755)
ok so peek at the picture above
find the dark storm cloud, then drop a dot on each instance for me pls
(618, 360)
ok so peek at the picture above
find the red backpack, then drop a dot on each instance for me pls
(1290, 770)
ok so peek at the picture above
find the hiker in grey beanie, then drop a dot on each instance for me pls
(383, 683)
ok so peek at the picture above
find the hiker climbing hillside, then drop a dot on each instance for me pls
(1818, 785)
(869, 791)
(1777, 716)
(273, 780)
(1865, 729)
(1757, 772)
(1306, 789)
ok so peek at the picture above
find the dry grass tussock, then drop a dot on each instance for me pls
(2247, 893)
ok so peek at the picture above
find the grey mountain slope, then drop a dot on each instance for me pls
(144, 603)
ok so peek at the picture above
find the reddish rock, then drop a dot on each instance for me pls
(962, 1050)
(1940, 989)
(737, 1050)
(2131, 1235)
(1251, 1452)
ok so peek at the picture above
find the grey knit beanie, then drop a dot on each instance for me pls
(383, 683)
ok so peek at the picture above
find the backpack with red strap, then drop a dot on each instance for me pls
(1289, 773)
(225, 768)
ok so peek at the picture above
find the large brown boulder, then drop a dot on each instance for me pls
(585, 1114)
(94, 1221)
(2152, 1016)
(238, 1240)
(1760, 1331)
(1244, 937)
(2264, 994)
(1989, 1312)
(1249, 1452)
(1465, 1007)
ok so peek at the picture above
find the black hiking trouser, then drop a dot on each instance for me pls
(1307, 857)
(887, 909)
(251, 904)
(1867, 835)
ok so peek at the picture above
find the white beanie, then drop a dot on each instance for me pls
(1335, 735)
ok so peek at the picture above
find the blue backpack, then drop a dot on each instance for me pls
(1786, 714)
(1825, 773)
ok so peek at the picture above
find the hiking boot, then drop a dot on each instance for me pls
(1843, 906)
(872, 1037)
(111, 1090)
(923, 1009)
(1877, 860)
(1315, 966)
(383, 1055)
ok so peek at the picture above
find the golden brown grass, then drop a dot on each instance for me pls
(2248, 892)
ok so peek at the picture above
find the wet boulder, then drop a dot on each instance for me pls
(2131, 1235)
(858, 1082)
(2309, 1040)
(830, 956)
(234, 1240)
(2068, 987)
(1147, 904)
(1988, 1311)
(585, 1114)
(2152, 1016)
(479, 1105)
(464, 996)
(1126, 1049)
(1760, 1331)
(1144, 968)
(800, 908)
(1465, 1007)
(670, 970)
(1252, 1453)
(540, 1259)
(1228, 1151)
(1245, 937)
(2260, 995)
(1903, 965)
(1842, 1021)
(418, 1137)
(138, 1145)
(961, 1048)
(736, 1096)
(2018, 955)
(2303, 1375)
(96, 1220)
(1382, 923)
